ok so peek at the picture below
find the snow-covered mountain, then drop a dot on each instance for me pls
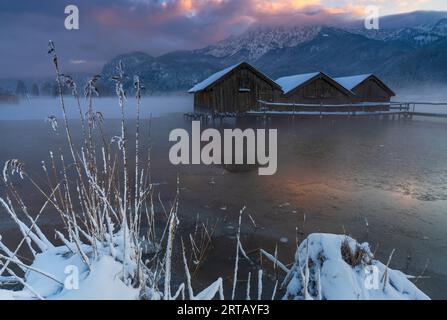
(419, 35)
(401, 55)
(257, 42)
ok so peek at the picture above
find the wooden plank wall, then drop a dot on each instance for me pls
(371, 91)
(227, 96)
(318, 91)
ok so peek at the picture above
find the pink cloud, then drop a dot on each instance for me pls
(211, 20)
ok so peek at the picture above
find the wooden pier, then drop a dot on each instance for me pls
(388, 109)
(400, 110)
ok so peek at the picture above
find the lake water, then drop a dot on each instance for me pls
(381, 181)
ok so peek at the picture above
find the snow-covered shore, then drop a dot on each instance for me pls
(337, 267)
(327, 267)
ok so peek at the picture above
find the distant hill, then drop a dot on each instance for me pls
(410, 49)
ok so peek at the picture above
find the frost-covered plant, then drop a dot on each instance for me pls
(101, 213)
(99, 217)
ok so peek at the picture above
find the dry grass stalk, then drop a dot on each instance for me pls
(352, 257)
(99, 185)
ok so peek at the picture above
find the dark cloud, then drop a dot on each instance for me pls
(107, 28)
(111, 27)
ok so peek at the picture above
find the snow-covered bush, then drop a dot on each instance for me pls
(337, 267)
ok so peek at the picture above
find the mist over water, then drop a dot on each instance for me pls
(41, 108)
(436, 93)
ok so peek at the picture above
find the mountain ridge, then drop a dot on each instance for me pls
(402, 56)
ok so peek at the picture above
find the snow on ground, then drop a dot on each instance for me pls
(102, 283)
(60, 273)
(327, 266)
(339, 268)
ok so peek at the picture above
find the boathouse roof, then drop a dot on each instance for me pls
(214, 78)
(290, 83)
(351, 82)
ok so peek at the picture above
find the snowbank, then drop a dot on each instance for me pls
(59, 273)
(327, 266)
(337, 267)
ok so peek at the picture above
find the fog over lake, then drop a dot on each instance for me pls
(41, 108)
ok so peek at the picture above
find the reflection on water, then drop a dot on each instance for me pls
(384, 182)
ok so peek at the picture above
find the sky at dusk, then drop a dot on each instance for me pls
(111, 27)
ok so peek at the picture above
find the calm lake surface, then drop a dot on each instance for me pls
(380, 181)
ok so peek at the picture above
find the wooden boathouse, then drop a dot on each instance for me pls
(367, 88)
(314, 89)
(242, 88)
(235, 89)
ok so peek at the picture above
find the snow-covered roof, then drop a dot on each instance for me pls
(289, 83)
(211, 79)
(352, 81)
